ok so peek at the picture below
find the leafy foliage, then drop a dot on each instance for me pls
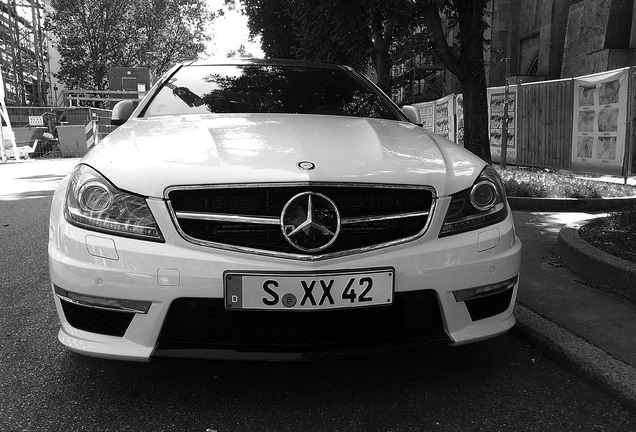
(465, 59)
(240, 52)
(614, 234)
(95, 34)
(273, 89)
(274, 21)
(377, 33)
(358, 33)
(333, 32)
(173, 32)
(539, 183)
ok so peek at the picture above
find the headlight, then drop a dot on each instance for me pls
(93, 203)
(481, 205)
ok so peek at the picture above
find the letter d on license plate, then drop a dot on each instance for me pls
(309, 291)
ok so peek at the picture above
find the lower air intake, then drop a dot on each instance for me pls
(199, 323)
(110, 323)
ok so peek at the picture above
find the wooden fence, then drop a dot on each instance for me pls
(547, 114)
(544, 124)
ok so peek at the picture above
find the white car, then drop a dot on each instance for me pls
(262, 209)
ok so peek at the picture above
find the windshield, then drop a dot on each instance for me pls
(268, 89)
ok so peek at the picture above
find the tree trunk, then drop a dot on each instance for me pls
(468, 67)
(382, 35)
(381, 70)
(476, 135)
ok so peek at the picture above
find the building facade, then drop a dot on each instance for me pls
(535, 40)
(552, 39)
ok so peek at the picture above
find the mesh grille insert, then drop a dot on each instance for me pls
(268, 202)
(205, 323)
(488, 306)
(111, 323)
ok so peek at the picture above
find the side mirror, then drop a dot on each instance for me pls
(121, 112)
(412, 114)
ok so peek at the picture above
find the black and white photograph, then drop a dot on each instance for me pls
(317, 216)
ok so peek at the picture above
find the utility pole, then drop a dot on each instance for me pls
(504, 122)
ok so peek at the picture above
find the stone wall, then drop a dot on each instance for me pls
(597, 37)
(532, 34)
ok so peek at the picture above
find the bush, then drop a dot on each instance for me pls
(541, 183)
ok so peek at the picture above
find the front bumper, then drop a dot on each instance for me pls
(96, 278)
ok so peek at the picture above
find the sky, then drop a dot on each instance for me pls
(229, 32)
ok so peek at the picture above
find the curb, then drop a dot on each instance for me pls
(611, 374)
(572, 204)
(606, 272)
(603, 271)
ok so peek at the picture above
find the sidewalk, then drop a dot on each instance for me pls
(591, 329)
(32, 178)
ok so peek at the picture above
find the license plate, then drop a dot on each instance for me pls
(309, 291)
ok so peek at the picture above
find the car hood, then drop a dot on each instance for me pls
(146, 156)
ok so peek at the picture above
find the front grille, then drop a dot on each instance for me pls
(199, 323)
(111, 323)
(372, 216)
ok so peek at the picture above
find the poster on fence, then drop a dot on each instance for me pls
(427, 115)
(600, 120)
(459, 119)
(496, 107)
(444, 117)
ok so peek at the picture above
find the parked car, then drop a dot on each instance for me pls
(260, 209)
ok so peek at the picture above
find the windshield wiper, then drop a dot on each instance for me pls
(186, 95)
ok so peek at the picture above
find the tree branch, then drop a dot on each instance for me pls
(439, 43)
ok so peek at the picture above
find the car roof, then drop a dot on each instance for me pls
(260, 61)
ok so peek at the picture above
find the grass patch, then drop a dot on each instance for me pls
(542, 183)
(614, 234)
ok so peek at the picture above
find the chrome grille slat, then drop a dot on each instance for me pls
(383, 217)
(228, 218)
(247, 217)
(265, 220)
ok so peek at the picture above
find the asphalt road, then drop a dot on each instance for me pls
(502, 384)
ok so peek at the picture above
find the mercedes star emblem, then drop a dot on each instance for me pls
(306, 165)
(310, 222)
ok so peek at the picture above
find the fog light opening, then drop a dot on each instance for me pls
(121, 305)
(485, 290)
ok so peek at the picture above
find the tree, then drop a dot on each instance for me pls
(466, 61)
(357, 33)
(240, 52)
(175, 31)
(274, 21)
(90, 36)
(363, 32)
(332, 31)
(95, 34)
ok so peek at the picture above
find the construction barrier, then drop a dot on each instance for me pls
(92, 134)
(72, 140)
